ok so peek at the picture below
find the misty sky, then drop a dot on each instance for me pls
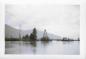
(62, 20)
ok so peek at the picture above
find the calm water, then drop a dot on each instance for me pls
(41, 47)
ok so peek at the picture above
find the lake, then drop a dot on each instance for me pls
(43, 48)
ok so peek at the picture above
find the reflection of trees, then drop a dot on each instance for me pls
(67, 42)
(45, 42)
(33, 43)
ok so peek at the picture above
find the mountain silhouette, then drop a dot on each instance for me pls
(11, 32)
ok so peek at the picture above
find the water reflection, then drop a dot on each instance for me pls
(42, 47)
(33, 43)
(71, 46)
(67, 42)
(45, 43)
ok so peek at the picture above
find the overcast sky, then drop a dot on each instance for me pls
(63, 20)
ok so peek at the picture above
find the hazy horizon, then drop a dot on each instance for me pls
(63, 20)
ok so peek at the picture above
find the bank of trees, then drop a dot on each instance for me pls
(31, 37)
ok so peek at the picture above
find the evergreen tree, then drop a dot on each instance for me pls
(26, 37)
(33, 35)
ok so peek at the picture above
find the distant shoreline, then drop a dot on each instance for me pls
(43, 40)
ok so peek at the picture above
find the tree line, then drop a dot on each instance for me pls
(31, 37)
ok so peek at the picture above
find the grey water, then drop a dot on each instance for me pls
(43, 48)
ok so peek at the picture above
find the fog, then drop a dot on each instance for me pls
(63, 20)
